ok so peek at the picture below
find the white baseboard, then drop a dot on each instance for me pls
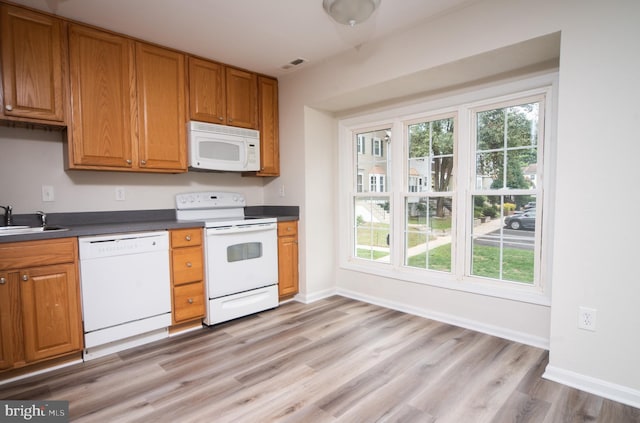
(509, 334)
(602, 388)
(315, 296)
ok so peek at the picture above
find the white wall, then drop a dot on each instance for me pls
(30, 158)
(596, 250)
(593, 250)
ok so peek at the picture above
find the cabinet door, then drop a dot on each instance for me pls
(242, 98)
(10, 319)
(161, 108)
(269, 138)
(32, 65)
(50, 311)
(207, 94)
(287, 259)
(103, 92)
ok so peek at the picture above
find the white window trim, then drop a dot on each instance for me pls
(460, 102)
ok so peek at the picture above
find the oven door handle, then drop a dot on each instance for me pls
(223, 230)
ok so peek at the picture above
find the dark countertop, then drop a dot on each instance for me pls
(104, 223)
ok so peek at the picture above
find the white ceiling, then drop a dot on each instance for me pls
(259, 35)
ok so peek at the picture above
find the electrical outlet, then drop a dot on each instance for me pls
(120, 195)
(282, 190)
(587, 318)
(47, 193)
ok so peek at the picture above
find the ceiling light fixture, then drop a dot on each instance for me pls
(350, 12)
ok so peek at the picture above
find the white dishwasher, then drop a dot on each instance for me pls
(126, 290)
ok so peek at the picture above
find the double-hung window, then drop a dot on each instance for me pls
(453, 195)
(428, 206)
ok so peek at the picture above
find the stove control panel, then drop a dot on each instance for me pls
(209, 200)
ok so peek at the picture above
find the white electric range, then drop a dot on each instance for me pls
(241, 254)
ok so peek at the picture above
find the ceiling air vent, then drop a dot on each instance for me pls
(294, 63)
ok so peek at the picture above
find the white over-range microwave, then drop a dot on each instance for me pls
(223, 148)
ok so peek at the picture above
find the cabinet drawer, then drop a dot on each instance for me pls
(187, 265)
(287, 228)
(186, 237)
(37, 253)
(188, 302)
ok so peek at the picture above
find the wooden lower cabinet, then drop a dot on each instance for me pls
(287, 259)
(187, 275)
(40, 315)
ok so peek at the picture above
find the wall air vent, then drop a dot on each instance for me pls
(294, 63)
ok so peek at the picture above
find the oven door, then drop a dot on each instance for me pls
(241, 258)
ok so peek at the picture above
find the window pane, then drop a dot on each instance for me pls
(372, 228)
(506, 147)
(503, 237)
(372, 167)
(428, 233)
(522, 125)
(430, 156)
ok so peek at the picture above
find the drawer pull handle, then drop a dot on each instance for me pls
(2, 281)
(189, 264)
(188, 237)
(25, 277)
(190, 300)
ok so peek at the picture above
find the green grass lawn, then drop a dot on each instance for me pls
(375, 234)
(367, 254)
(517, 264)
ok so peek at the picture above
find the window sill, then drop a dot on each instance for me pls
(479, 286)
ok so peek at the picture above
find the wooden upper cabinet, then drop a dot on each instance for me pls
(129, 104)
(207, 93)
(161, 108)
(33, 47)
(102, 90)
(269, 137)
(242, 98)
(222, 94)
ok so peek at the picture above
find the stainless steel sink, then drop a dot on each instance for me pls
(23, 230)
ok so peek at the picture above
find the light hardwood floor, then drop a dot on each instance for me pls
(336, 360)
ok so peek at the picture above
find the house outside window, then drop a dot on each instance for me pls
(371, 217)
(360, 145)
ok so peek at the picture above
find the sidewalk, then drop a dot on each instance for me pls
(481, 229)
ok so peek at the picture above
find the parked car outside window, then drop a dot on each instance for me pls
(525, 220)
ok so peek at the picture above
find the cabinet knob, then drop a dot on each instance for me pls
(190, 300)
(2, 281)
(221, 118)
(189, 264)
(230, 120)
(143, 162)
(25, 277)
(188, 237)
(9, 107)
(128, 161)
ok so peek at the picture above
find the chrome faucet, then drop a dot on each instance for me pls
(43, 218)
(8, 215)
